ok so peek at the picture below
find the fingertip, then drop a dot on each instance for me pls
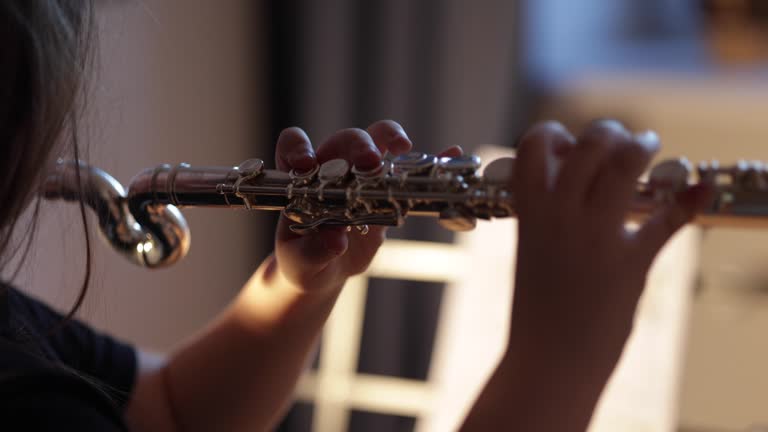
(366, 158)
(538, 154)
(302, 161)
(390, 136)
(551, 132)
(604, 125)
(649, 140)
(454, 151)
(354, 145)
(399, 144)
(293, 133)
(294, 150)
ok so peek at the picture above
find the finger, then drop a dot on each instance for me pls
(581, 167)
(304, 256)
(535, 160)
(616, 180)
(354, 145)
(294, 151)
(665, 222)
(389, 136)
(454, 151)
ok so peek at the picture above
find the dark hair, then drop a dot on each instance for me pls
(44, 54)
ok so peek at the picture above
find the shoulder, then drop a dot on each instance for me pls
(39, 398)
(32, 325)
(37, 395)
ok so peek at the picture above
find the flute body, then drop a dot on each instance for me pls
(145, 224)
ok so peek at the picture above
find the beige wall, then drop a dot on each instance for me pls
(176, 82)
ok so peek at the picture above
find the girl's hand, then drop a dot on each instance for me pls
(326, 258)
(580, 271)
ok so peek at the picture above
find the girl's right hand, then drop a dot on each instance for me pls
(580, 271)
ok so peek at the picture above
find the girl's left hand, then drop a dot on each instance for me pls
(327, 257)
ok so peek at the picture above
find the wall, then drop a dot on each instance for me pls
(175, 82)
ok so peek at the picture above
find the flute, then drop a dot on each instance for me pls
(145, 224)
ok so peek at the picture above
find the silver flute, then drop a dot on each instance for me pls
(144, 223)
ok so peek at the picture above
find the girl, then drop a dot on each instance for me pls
(580, 273)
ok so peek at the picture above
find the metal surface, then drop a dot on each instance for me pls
(151, 235)
(145, 224)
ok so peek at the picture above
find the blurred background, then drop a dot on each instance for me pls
(210, 82)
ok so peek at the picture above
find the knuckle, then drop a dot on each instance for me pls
(550, 127)
(292, 133)
(387, 134)
(543, 130)
(386, 124)
(348, 144)
(542, 133)
(400, 140)
(360, 141)
(353, 133)
(353, 137)
(290, 138)
(606, 124)
(605, 130)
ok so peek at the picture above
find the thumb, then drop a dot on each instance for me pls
(302, 257)
(667, 220)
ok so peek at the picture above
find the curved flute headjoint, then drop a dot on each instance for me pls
(155, 235)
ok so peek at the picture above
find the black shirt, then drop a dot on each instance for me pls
(59, 378)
